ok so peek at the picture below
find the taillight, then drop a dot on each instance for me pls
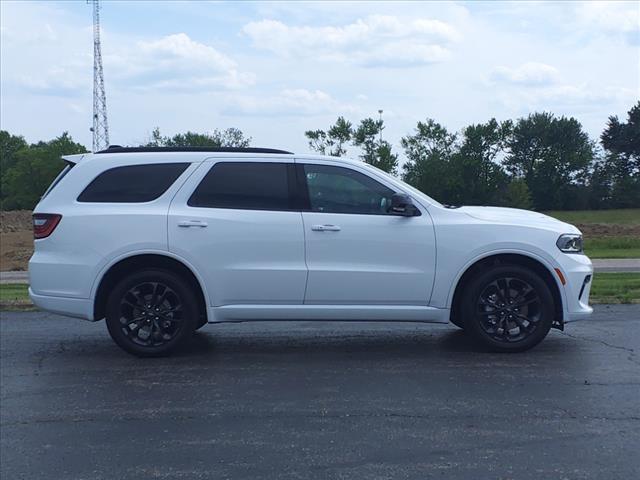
(44, 224)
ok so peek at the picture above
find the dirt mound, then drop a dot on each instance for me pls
(607, 230)
(15, 221)
(16, 239)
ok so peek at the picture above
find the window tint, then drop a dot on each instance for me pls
(244, 185)
(341, 190)
(132, 183)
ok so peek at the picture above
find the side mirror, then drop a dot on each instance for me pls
(401, 204)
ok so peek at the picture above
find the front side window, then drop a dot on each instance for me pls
(244, 185)
(132, 183)
(342, 190)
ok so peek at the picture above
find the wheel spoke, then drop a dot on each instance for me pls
(142, 323)
(498, 309)
(502, 289)
(169, 319)
(524, 302)
(134, 320)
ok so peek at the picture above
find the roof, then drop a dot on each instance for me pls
(119, 149)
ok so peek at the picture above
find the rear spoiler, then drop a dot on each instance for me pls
(73, 159)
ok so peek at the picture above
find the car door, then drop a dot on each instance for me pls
(235, 222)
(356, 252)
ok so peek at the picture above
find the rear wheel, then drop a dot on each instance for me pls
(151, 312)
(508, 308)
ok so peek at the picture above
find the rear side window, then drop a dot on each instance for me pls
(60, 176)
(244, 185)
(132, 183)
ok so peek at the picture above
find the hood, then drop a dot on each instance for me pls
(517, 216)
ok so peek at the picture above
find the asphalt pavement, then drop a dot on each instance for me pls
(320, 400)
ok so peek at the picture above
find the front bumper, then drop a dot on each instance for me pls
(578, 273)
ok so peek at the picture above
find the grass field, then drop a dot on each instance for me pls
(606, 288)
(612, 247)
(627, 216)
(616, 288)
(14, 296)
(607, 233)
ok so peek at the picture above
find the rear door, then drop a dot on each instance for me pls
(236, 222)
(357, 253)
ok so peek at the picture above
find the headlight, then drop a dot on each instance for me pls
(570, 243)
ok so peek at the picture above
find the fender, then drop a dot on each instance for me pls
(550, 265)
(165, 253)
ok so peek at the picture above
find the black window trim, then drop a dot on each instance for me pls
(187, 166)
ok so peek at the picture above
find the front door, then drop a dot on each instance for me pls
(357, 253)
(235, 222)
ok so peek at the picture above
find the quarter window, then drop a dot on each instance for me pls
(244, 185)
(342, 190)
(132, 183)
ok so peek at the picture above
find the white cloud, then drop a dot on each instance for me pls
(566, 97)
(610, 17)
(57, 60)
(175, 62)
(376, 40)
(582, 93)
(288, 102)
(530, 74)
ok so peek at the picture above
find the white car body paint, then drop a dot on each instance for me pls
(274, 265)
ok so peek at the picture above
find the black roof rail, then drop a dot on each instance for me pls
(120, 149)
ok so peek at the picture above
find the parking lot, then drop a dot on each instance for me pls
(324, 400)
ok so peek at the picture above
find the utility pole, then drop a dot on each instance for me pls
(100, 126)
(380, 112)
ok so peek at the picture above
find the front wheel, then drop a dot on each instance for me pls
(508, 308)
(150, 312)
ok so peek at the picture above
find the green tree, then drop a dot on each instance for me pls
(333, 141)
(622, 142)
(600, 185)
(230, 137)
(429, 168)
(9, 146)
(553, 155)
(33, 170)
(482, 179)
(518, 195)
(375, 150)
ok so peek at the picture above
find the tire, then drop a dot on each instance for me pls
(151, 312)
(456, 320)
(500, 325)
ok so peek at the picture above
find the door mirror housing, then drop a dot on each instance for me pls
(401, 204)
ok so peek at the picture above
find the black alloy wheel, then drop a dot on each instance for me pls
(508, 308)
(150, 312)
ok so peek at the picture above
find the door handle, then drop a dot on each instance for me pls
(192, 223)
(325, 228)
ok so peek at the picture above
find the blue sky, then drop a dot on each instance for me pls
(275, 70)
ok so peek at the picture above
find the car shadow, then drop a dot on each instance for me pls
(421, 341)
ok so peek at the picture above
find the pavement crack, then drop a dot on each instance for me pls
(602, 342)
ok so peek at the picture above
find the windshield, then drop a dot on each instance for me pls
(404, 185)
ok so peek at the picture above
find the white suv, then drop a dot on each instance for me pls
(161, 241)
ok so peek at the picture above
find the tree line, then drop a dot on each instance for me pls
(542, 161)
